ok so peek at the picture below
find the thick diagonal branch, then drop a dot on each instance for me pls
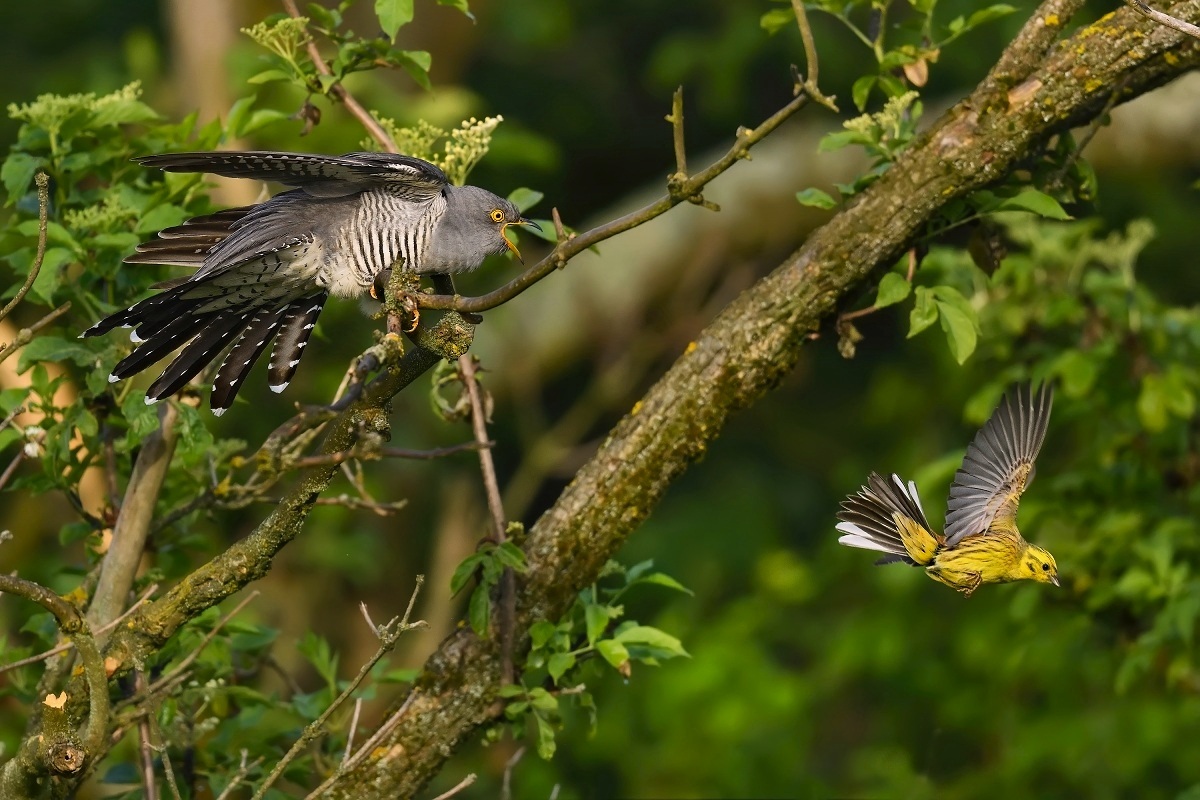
(754, 343)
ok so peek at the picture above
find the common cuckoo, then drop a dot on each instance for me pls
(265, 271)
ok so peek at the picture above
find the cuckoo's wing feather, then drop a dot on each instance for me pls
(324, 176)
(999, 463)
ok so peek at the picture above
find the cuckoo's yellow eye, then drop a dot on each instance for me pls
(497, 215)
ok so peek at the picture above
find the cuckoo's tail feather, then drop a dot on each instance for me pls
(300, 319)
(203, 348)
(241, 357)
(868, 518)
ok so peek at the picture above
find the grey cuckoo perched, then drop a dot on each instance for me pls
(265, 271)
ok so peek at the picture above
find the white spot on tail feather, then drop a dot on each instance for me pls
(278, 387)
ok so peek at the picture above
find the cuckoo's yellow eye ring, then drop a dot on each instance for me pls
(497, 215)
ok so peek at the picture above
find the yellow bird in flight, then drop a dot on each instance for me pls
(981, 543)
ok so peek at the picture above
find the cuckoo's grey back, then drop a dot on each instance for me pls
(264, 272)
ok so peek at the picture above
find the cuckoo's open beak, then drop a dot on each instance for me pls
(508, 242)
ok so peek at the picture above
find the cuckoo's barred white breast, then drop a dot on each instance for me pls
(263, 272)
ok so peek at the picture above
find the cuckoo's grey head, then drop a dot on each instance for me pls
(471, 229)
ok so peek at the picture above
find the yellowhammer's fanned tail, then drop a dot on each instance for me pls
(982, 543)
(887, 516)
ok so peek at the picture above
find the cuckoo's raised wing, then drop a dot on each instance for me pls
(998, 465)
(319, 175)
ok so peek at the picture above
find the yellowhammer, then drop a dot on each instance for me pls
(981, 543)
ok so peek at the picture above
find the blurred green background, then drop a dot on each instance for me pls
(813, 674)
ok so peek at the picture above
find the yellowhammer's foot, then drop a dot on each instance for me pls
(973, 584)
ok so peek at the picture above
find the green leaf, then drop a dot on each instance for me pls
(892, 289)
(480, 610)
(321, 656)
(17, 173)
(1152, 403)
(269, 75)
(393, 14)
(558, 664)
(775, 19)
(262, 118)
(924, 313)
(542, 700)
(613, 652)
(988, 14)
(1181, 401)
(464, 571)
(511, 690)
(159, 217)
(1078, 371)
(508, 554)
(647, 635)
(461, 5)
(596, 617)
(960, 330)
(663, 579)
(541, 632)
(54, 348)
(1036, 202)
(546, 744)
(525, 199)
(416, 63)
(861, 91)
(49, 278)
(816, 199)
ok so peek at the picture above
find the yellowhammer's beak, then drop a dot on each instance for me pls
(1054, 580)
(508, 242)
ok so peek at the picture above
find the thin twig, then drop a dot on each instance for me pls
(25, 335)
(65, 646)
(145, 748)
(676, 120)
(566, 250)
(464, 783)
(1165, 19)
(506, 784)
(339, 92)
(507, 600)
(809, 86)
(43, 192)
(11, 468)
(239, 776)
(168, 770)
(353, 728)
(389, 635)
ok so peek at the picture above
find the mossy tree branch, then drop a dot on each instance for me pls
(1036, 91)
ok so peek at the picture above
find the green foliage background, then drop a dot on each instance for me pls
(811, 673)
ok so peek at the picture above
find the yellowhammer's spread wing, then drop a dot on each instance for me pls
(998, 465)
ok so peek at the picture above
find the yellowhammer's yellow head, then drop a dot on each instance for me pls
(1038, 565)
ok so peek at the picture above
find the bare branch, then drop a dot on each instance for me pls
(389, 635)
(809, 85)
(65, 646)
(133, 523)
(566, 250)
(464, 783)
(55, 750)
(339, 92)
(507, 599)
(1163, 19)
(43, 192)
(25, 335)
